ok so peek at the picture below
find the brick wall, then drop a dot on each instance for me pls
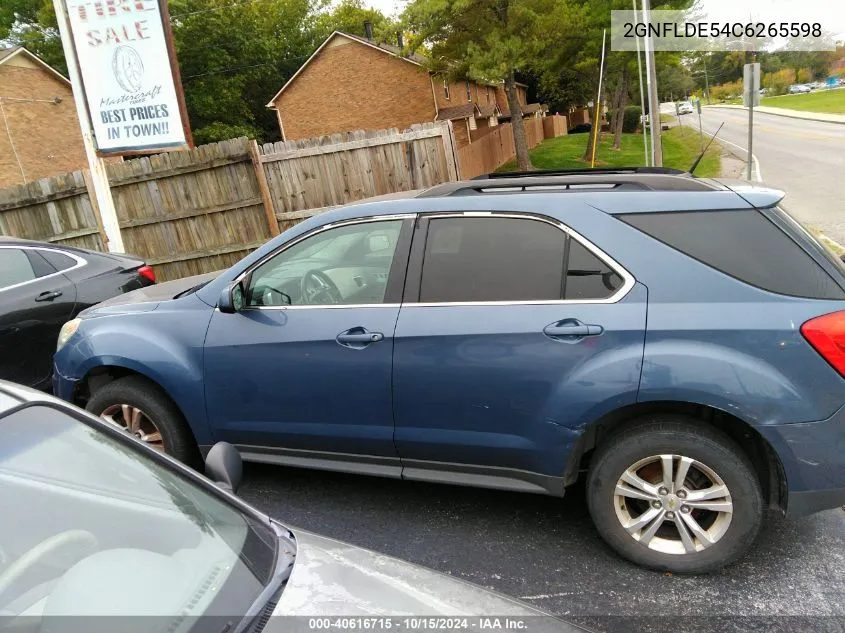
(46, 136)
(502, 98)
(351, 86)
(458, 93)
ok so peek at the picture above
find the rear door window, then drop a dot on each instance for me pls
(15, 267)
(473, 259)
(743, 244)
(59, 260)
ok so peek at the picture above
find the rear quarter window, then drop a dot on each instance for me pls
(743, 244)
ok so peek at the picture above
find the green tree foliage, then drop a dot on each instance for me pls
(32, 23)
(488, 40)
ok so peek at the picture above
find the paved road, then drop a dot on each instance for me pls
(545, 551)
(804, 158)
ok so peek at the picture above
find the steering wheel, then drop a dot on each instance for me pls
(317, 288)
(82, 540)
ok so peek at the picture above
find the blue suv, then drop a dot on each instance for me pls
(679, 343)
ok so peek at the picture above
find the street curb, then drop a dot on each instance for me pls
(788, 116)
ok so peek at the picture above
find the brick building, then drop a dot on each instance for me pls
(39, 131)
(354, 83)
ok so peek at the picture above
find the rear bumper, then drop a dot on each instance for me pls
(813, 459)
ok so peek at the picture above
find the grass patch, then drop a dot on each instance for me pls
(680, 147)
(832, 101)
(832, 245)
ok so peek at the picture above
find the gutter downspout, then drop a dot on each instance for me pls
(434, 96)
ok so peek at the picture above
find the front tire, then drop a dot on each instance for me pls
(675, 495)
(139, 407)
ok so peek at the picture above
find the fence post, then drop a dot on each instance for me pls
(89, 184)
(449, 149)
(263, 188)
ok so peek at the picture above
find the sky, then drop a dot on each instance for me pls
(831, 12)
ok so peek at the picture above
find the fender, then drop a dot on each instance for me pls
(164, 345)
(725, 377)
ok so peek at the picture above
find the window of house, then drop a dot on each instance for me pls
(469, 91)
(472, 123)
(446, 89)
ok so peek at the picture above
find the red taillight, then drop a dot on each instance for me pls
(147, 273)
(827, 335)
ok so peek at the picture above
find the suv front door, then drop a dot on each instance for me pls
(514, 333)
(302, 375)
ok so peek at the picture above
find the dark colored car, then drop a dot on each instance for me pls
(41, 287)
(109, 535)
(679, 342)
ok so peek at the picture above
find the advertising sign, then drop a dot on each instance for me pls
(133, 93)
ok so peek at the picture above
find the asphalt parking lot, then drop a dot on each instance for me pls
(545, 552)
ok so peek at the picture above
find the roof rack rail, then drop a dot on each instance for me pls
(586, 170)
(567, 181)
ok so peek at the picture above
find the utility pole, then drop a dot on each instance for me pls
(99, 178)
(653, 102)
(706, 81)
(642, 94)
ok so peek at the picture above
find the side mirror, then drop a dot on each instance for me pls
(223, 465)
(231, 298)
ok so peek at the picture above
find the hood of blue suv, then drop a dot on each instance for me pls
(147, 299)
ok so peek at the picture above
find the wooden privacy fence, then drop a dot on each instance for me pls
(52, 210)
(201, 210)
(313, 175)
(496, 148)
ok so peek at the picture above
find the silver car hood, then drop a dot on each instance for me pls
(331, 578)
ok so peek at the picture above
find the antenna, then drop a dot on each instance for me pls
(704, 151)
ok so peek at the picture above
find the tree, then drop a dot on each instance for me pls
(32, 23)
(487, 40)
(234, 57)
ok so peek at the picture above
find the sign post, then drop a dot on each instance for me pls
(750, 99)
(99, 179)
(126, 86)
(700, 130)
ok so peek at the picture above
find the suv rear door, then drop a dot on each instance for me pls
(514, 331)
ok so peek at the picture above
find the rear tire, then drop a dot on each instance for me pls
(635, 507)
(122, 398)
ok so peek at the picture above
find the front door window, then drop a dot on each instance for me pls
(345, 265)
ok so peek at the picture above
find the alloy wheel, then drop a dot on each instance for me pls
(673, 504)
(134, 421)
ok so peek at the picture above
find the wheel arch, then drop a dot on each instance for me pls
(762, 455)
(102, 374)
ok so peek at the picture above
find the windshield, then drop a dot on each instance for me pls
(100, 528)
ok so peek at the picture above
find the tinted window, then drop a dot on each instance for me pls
(40, 266)
(588, 277)
(14, 267)
(59, 261)
(346, 265)
(492, 259)
(743, 244)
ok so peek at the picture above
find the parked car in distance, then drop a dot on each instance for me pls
(101, 520)
(42, 286)
(493, 332)
(685, 107)
(799, 89)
